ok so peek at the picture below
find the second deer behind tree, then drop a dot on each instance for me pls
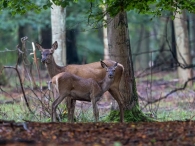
(70, 85)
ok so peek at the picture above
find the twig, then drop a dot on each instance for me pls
(7, 93)
(20, 80)
(36, 64)
(26, 62)
(173, 91)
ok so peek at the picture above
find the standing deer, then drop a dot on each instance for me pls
(91, 70)
(77, 88)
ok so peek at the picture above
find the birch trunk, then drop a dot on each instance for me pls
(58, 24)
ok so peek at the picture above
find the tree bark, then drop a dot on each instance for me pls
(72, 55)
(120, 51)
(183, 51)
(105, 38)
(58, 24)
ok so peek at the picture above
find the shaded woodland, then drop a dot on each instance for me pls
(157, 84)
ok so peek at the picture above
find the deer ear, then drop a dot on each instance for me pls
(115, 64)
(103, 64)
(39, 47)
(55, 45)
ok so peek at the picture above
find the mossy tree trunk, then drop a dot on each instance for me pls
(120, 51)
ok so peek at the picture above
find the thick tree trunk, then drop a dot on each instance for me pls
(183, 51)
(45, 37)
(120, 51)
(72, 55)
(58, 23)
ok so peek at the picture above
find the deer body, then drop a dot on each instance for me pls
(91, 70)
(77, 88)
(74, 86)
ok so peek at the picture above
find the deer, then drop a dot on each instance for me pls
(77, 88)
(91, 70)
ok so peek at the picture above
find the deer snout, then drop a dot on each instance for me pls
(110, 76)
(43, 60)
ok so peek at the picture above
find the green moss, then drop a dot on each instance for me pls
(133, 115)
(3, 80)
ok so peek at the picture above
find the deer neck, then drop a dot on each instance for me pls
(54, 69)
(105, 83)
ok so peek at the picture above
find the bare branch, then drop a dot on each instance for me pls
(20, 51)
(20, 80)
(168, 94)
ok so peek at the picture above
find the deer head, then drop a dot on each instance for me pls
(46, 54)
(110, 70)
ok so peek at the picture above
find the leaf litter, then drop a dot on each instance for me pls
(98, 134)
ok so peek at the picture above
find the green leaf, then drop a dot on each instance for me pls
(5, 3)
(45, 7)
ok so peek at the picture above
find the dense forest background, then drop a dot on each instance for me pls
(151, 38)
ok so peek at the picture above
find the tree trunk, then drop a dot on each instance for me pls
(173, 45)
(120, 51)
(105, 38)
(72, 55)
(183, 51)
(192, 35)
(58, 24)
(45, 37)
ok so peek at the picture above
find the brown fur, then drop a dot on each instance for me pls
(77, 88)
(91, 70)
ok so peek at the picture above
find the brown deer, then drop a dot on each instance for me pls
(77, 88)
(91, 70)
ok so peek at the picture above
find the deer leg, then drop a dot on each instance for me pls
(73, 104)
(71, 107)
(95, 110)
(117, 96)
(54, 106)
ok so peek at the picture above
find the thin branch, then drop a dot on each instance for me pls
(20, 80)
(168, 94)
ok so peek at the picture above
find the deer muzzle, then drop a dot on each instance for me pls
(110, 76)
(43, 60)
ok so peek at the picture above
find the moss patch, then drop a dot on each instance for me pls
(133, 115)
(3, 80)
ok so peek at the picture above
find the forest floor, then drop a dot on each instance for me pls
(98, 134)
(179, 128)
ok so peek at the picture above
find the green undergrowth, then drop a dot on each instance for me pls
(133, 115)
